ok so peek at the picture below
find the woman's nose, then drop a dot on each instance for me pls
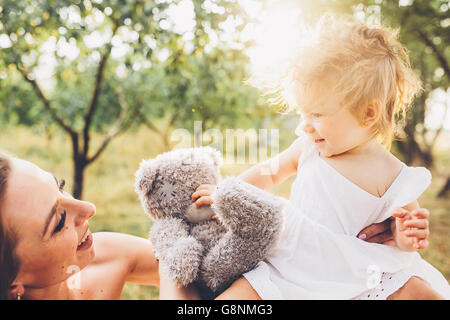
(86, 210)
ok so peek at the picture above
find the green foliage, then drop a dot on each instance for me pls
(208, 82)
(107, 66)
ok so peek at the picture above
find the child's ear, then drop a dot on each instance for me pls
(373, 113)
(215, 155)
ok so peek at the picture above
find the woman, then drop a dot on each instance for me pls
(45, 238)
(48, 252)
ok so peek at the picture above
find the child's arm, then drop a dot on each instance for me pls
(264, 175)
(272, 172)
(411, 227)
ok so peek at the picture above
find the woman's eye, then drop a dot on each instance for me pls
(61, 184)
(316, 115)
(60, 223)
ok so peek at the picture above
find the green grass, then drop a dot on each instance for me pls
(109, 185)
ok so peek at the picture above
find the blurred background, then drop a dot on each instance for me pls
(89, 88)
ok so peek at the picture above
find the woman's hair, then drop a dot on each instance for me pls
(358, 64)
(9, 265)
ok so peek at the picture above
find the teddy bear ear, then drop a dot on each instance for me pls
(215, 155)
(145, 177)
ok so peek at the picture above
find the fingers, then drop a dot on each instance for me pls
(400, 213)
(206, 200)
(421, 213)
(200, 193)
(390, 242)
(417, 223)
(203, 190)
(417, 233)
(202, 196)
(374, 229)
(205, 187)
(422, 244)
(381, 237)
(406, 225)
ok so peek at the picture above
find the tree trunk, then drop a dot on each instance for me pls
(411, 149)
(166, 143)
(78, 176)
(445, 190)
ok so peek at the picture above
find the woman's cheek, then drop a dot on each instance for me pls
(71, 242)
(66, 244)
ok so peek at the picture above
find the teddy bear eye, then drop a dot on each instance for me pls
(167, 189)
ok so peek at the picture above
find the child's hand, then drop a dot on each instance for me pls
(203, 193)
(411, 229)
(202, 196)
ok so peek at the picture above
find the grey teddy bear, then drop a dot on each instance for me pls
(190, 246)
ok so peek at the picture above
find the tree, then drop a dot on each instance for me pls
(107, 71)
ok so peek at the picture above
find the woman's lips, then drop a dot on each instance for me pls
(317, 141)
(87, 243)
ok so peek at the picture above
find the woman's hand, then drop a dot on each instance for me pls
(379, 232)
(406, 230)
(411, 229)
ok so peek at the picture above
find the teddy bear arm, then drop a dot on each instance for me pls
(248, 211)
(178, 252)
(228, 259)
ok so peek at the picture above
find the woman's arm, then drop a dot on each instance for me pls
(169, 290)
(133, 255)
(239, 290)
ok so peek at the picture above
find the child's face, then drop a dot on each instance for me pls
(333, 129)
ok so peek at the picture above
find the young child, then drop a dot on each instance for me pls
(352, 83)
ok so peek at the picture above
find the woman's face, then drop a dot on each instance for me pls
(49, 225)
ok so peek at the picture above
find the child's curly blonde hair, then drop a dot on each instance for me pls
(358, 64)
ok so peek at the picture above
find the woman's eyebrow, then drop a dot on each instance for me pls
(51, 213)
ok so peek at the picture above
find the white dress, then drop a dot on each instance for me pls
(319, 256)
